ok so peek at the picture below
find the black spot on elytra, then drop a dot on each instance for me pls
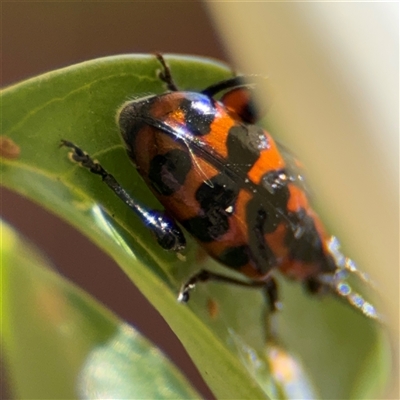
(209, 227)
(304, 241)
(244, 144)
(264, 212)
(268, 207)
(235, 257)
(295, 173)
(167, 172)
(276, 182)
(215, 198)
(219, 193)
(261, 220)
(199, 114)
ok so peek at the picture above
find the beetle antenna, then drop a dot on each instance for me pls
(165, 75)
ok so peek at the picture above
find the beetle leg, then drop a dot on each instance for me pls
(270, 290)
(167, 232)
(230, 83)
(269, 286)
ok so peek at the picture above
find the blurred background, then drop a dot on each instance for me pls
(302, 47)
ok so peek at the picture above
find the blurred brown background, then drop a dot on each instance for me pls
(39, 37)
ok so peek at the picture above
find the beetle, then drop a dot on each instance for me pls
(237, 191)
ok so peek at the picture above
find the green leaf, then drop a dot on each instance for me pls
(221, 328)
(60, 343)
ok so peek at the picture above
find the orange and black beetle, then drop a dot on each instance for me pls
(231, 186)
